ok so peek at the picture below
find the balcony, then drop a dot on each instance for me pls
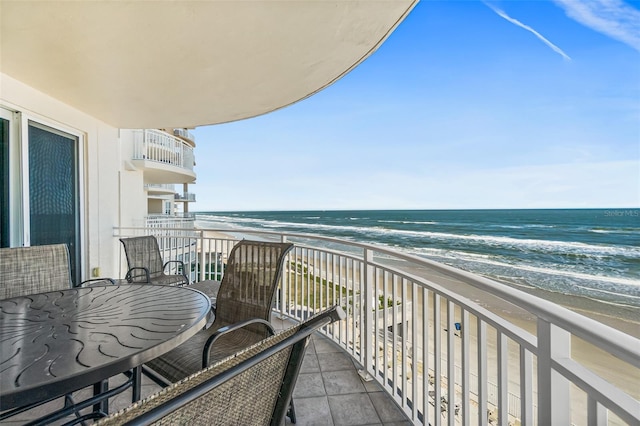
(164, 158)
(483, 353)
(187, 197)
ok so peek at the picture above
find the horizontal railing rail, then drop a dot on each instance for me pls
(443, 357)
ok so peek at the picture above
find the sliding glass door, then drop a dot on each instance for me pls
(54, 190)
(40, 198)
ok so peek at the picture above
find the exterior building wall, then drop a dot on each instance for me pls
(133, 197)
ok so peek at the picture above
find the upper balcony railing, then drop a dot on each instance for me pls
(164, 187)
(443, 358)
(184, 133)
(187, 196)
(161, 147)
(177, 220)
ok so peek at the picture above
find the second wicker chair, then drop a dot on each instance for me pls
(243, 310)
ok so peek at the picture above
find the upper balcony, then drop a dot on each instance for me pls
(185, 134)
(448, 346)
(164, 158)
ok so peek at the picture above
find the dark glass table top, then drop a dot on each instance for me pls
(57, 342)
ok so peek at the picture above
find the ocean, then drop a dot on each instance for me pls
(593, 253)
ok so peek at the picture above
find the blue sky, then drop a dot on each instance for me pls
(468, 104)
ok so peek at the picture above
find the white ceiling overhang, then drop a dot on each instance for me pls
(151, 64)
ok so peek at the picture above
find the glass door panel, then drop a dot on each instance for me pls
(53, 191)
(4, 183)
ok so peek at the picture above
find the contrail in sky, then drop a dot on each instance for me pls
(613, 18)
(502, 14)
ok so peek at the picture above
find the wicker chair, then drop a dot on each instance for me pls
(254, 387)
(37, 269)
(242, 315)
(145, 263)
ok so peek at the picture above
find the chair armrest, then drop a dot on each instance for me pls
(129, 278)
(228, 329)
(110, 280)
(181, 264)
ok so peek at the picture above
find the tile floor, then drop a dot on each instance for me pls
(329, 391)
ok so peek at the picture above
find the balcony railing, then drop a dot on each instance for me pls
(165, 187)
(161, 147)
(178, 220)
(184, 133)
(443, 358)
(187, 196)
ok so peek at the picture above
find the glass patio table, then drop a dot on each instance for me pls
(54, 343)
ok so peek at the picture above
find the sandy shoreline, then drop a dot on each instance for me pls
(622, 318)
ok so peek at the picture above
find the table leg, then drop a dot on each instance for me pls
(136, 377)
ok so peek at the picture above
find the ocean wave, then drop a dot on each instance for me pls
(559, 246)
(525, 226)
(631, 231)
(609, 292)
(414, 222)
(564, 247)
(465, 257)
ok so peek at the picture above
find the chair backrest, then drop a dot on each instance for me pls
(36, 269)
(249, 283)
(253, 387)
(143, 252)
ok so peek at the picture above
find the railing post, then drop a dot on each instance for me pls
(596, 413)
(201, 275)
(284, 282)
(367, 328)
(554, 404)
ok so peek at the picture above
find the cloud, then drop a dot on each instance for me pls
(553, 47)
(613, 18)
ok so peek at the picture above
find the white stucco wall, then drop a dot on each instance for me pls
(133, 198)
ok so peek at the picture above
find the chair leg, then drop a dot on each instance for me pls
(136, 378)
(100, 388)
(291, 413)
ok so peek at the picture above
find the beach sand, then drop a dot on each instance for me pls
(622, 318)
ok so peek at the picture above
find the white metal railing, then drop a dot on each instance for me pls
(187, 196)
(161, 147)
(442, 357)
(184, 133)
(179, 221)
(160, 186)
